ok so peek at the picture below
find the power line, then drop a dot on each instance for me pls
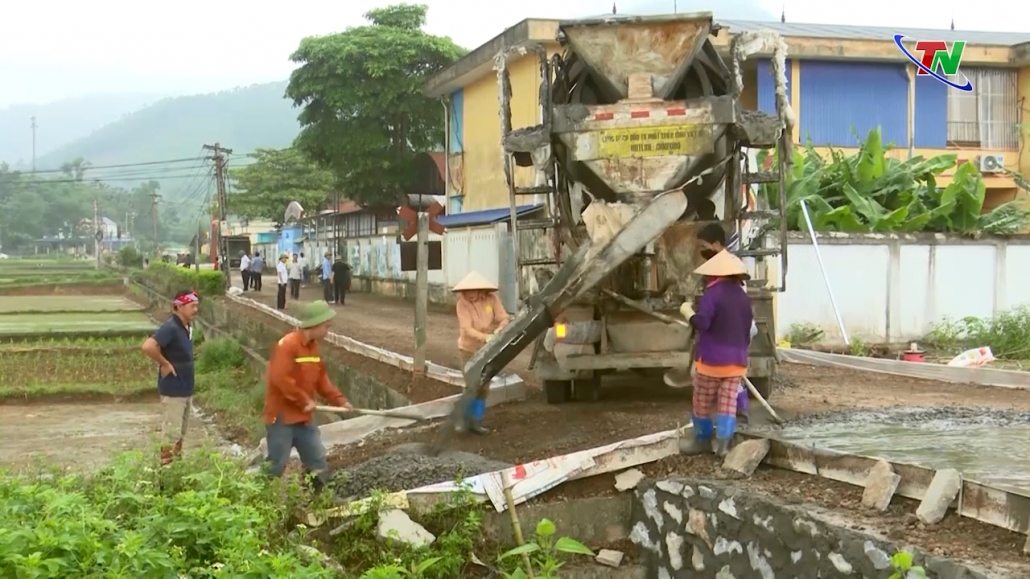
(141, 164)
(100, 180)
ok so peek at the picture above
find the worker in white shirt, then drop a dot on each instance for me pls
(245, 269)
(282, 275)
(305, 268)
(296, 275)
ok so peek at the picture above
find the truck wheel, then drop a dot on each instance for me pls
(587, 389)
(557, 391)
(764, 386)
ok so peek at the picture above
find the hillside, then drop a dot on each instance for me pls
(242, 119)
(61, 122)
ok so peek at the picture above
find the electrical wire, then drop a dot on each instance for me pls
(141, 164)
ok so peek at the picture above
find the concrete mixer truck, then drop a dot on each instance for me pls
(641, 130)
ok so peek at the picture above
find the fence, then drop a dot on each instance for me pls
(893, 288)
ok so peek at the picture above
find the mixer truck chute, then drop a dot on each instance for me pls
(641, 130)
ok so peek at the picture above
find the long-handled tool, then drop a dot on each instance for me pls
(366, 412)
(758, 396)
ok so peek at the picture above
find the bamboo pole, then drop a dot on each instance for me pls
(515, 526)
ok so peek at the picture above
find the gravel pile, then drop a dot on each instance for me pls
(408, 467)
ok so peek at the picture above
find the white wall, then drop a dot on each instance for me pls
(379, 257)
(892, 288)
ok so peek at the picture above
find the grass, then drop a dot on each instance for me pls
(79, 366)
(234, 397)
(66, 304)
(74, 390)
(65, 342)
(79, 322)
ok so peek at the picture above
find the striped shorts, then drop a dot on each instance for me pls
(715, 396)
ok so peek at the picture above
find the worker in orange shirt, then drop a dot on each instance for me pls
(296, 373)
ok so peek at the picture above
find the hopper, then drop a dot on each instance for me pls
(619, 46)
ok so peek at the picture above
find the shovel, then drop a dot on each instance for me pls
(366, 412)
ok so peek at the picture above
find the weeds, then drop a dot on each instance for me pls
(1007, 334)
(220, 354)
(201, 517)
(901, 563)
(802, 335)
(546, 554)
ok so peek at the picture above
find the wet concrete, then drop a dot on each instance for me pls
(983, 444)
(407, 467)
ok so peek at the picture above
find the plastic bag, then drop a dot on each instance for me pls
(974, 358)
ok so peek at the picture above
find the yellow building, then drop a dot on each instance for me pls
(842, 80)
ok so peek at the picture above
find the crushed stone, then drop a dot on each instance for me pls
(407, 467)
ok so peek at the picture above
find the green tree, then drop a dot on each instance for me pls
(364, 115)
(263, 189)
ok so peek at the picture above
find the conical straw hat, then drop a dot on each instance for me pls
(722, 264)
(474, 282)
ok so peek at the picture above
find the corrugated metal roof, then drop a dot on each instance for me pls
(484, 217)
(848, 32)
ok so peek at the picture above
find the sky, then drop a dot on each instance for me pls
(57, 49)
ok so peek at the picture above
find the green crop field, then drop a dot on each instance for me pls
(76, 322)
(67, 304)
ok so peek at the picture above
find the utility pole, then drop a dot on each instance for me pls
(33, 144)
(218, 156)
(421, 291)
(154, 197)
(196, 247)
(96, 233)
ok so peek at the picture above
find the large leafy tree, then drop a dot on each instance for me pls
(364, 115)
(264, 188)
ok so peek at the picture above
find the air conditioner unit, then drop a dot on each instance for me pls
(991, 163)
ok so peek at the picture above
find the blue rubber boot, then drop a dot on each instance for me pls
(703, 428)
(726, 427)
(477, 409)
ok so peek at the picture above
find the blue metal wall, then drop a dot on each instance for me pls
(931, 113)
(767, 86)
(838, 97)
(457, 121)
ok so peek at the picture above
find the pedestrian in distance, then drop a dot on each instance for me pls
(257, 268)
(341, 280)
(723, 322)
(245, 270)
(480, 316)
(296, 275)
(296, 376)
(282, 275)
(171, 348)
(327, 277)
(305, 268)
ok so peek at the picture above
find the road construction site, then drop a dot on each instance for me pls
(896, 417)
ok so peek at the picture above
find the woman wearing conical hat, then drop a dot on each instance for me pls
(480, 316)
(723, 323)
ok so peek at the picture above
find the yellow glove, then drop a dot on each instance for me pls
(686, 310)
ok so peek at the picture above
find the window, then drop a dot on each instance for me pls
(409, 255)
(987, 116)
(359, 225)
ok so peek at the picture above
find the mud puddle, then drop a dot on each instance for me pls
(983, 444)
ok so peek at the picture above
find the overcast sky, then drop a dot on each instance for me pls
(55, 49)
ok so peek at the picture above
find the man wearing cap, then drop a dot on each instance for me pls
(172, 349)
(296, 374)
(480, 316)
(282, 275)
(327, 277)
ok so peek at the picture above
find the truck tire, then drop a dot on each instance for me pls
(587, 389)
(764, 386)
(557, 391)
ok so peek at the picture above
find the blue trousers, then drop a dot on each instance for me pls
(304, 436)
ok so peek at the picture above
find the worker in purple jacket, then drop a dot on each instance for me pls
(723, 323)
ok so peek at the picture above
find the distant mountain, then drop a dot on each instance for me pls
(61, 122)
(241, 119)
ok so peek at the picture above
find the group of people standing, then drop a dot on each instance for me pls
(251, 269)
(292, 271)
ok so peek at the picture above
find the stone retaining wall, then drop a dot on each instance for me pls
(694, 529)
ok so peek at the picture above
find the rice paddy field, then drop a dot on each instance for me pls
(74, 386)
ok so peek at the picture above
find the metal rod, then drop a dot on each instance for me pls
(641, 307)
(822, 269)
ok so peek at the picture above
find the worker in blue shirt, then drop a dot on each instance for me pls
(327, 276)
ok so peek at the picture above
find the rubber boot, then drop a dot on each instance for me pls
(703, 428)
(476, 412)
(726, 427)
